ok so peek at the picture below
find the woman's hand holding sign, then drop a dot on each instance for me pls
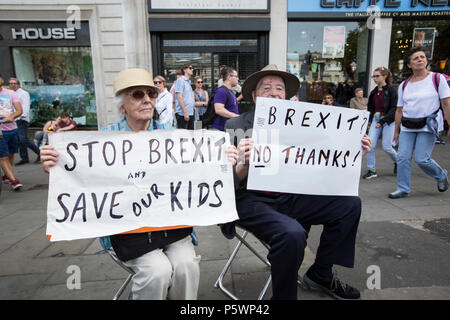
(49, 157)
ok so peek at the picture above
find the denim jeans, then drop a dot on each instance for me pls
(386, 140)
(422, 143)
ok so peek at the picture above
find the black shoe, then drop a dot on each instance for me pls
(21, 162)
(370, 175)
(334, 287)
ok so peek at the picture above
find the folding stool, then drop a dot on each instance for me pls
(242, 241)
(106, 245)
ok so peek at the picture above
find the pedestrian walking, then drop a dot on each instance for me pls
(419, 117)
(382, 105)
(22, 124)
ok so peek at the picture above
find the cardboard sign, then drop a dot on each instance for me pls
(306, 148)
(107, 183)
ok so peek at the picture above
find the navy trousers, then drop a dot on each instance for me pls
(24, 142)
(283, 221)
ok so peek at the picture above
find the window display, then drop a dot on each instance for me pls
(328, 57)
(432, 35)
(59, 79)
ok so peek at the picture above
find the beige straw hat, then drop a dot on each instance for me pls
(292, 83)
(131, 78)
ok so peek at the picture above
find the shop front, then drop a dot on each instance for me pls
(54, 64)
(431, 34)
(201, 34)
(333, 46)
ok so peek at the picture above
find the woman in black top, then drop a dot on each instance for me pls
(382, 105)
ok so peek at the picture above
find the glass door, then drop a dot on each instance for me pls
(207, 52)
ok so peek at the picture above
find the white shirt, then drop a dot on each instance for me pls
(421, 99)
(164, 106)
(24, 98)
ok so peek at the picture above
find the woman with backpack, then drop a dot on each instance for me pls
(419, 117)
(225, 102)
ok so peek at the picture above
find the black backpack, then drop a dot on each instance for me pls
(210, 114)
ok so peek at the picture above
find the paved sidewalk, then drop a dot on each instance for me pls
(406, 239)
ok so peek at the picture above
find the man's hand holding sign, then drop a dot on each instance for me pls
(309, 148)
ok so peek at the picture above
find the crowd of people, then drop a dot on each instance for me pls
(14, 122)
(409, 117)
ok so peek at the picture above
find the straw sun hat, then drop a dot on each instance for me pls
(291, 82)
(131, 78)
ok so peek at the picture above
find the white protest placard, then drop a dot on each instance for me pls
(107, 183)
(306, 148)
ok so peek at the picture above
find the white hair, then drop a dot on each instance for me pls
(119, 100)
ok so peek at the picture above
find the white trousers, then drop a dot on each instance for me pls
(170, 273)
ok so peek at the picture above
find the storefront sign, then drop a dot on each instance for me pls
(208, 5)
(113, 182)
(364, 8)
(386, 3)
(43, 33)
(306, 148)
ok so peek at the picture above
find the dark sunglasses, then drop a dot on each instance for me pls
(199, 81)
(190, 68)
(139, 94)
(157, 82)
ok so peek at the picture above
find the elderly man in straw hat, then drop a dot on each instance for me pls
(164, 262)
(283, 220)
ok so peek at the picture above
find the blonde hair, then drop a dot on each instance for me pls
(161, 78)
(385, 72)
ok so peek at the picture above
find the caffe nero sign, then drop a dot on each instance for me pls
(395, 4)
(363, 8)
(363, 5)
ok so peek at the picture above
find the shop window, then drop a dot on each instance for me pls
(58, 79)
(328, 57)
(433, 35)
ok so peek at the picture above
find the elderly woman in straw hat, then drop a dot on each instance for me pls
(281, 220)
(169, 269)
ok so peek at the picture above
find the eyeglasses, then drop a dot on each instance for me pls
(157, 82)
(139, 94)
(199, 81)
(190, 67)
(376, 76)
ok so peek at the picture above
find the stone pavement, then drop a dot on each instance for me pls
(406, 240)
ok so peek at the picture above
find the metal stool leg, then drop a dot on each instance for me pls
(122, 288)
(219, 283)
(242, 241)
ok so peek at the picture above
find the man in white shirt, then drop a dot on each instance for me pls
(22, 123)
